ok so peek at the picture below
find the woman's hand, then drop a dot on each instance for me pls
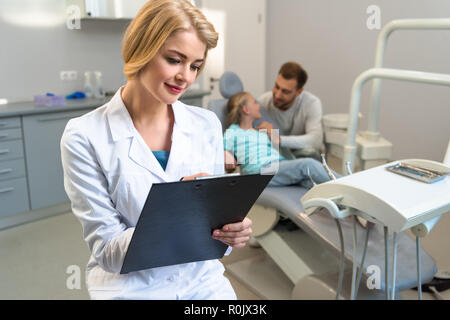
(235, 235)
(201, 174)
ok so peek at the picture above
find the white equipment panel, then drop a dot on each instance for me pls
(393, 200)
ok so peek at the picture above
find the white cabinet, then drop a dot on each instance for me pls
(13, 183)
(107, 9)
(42, 136)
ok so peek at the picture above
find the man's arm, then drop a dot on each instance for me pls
(313, 137)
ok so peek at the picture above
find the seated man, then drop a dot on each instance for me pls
(297, 112)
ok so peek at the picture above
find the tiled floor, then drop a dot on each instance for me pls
(39, 259)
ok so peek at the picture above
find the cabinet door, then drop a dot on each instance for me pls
(42, 136)
(13, 197)
(107, 9)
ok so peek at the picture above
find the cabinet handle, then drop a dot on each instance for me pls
(56, 118)
(4, 151)
(5, 135)
(4, 171)
(6, 190)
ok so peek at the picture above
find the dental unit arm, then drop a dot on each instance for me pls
(421, 226)
(383, 197)
(382, 42)
(394, 74)
(381, 73)
(380, 196)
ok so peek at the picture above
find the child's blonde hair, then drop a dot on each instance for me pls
(234, 107)
(154, 23)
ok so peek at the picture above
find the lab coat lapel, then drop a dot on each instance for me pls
(141, 154)
(179, 153)
(121, 126)
(181, 142)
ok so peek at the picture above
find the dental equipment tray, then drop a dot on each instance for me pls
(417, 173)
(393, 200)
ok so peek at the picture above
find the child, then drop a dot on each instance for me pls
(257, 150)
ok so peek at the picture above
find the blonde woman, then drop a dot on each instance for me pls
(144, 135)
(257, 150)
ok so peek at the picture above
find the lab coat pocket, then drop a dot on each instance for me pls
(105, 286)
(96, 294)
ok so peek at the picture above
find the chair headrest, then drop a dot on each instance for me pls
(230, 84)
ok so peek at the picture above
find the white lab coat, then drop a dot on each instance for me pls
(108, 171)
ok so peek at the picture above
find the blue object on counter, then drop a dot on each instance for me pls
(49, 100)
(76, 95)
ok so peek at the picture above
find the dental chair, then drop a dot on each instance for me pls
(304, 258)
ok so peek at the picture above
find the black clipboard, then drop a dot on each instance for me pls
(176, 223)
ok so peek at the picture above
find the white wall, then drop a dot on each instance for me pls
(247, 40)
(331, 40)
(242, 41)
(31, 56)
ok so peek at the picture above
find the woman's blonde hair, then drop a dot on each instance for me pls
(234, 107)
(156, 21)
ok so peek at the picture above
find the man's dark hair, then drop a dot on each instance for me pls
(292, 70)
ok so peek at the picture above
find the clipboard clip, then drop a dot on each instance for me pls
(218, 176)
(232, 183)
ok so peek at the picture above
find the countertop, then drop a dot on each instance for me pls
(29, 108)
